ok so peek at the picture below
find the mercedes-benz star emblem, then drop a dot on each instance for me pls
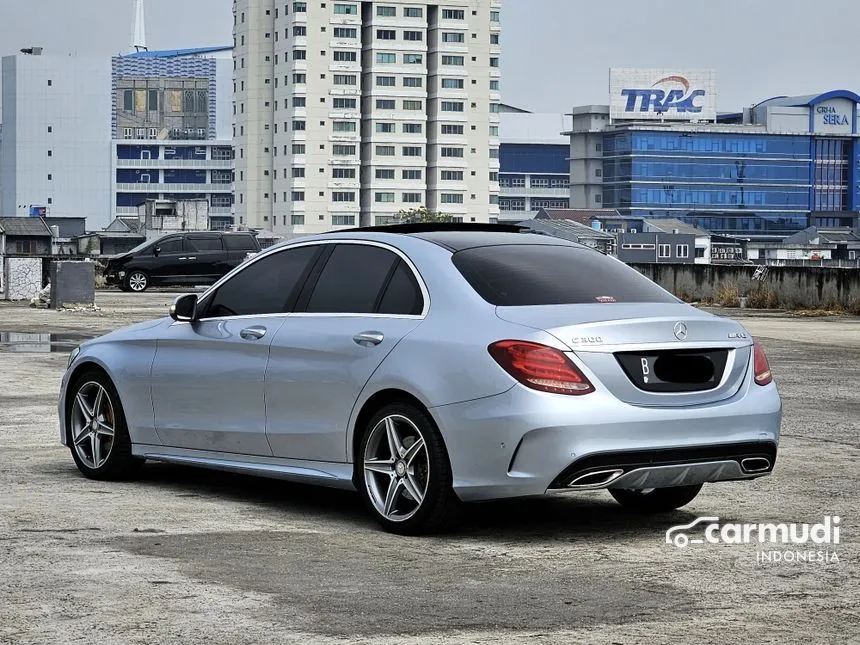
(680, 331)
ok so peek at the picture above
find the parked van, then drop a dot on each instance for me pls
(200, 257)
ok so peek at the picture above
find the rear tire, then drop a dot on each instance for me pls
(657, 500)
(403, 472)
(98, 434)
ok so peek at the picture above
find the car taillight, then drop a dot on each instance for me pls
(540, 367)
(761, 366)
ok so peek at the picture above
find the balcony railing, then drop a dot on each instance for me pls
(174, 188)
(201, 164)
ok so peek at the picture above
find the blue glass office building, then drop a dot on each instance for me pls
(770, 171)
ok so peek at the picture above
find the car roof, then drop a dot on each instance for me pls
(459, 237)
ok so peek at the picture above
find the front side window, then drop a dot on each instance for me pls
(171, 245)
(266, 286)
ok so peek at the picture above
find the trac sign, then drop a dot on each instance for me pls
(662, 95)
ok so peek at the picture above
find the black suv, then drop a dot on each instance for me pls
(200, 257)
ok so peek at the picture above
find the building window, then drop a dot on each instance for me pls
(385, 57)
(413, 59)
(128, 133)
(299, 101)
(665, 250)
(300, 54)
(300, 79)
(458, 61)
(413, 35)
(494, 39)
(345, 57)
(452, 152)
(343, 196)
(345, 9)
(384, 198)
(413, 105)
(453, 37)
(682, 250)
(495, 108)
(413, 12)
(452, 83)
(298, 195)
(386, 12)
(343, 126)
(385, 151)
(298, 30)
(452, 106)
(598, 198)
(386, 81)
(343, 173)
(453, 14)
(494, 130)
(451, 198)
(411, 198)
(494, 153)
(494, 85)
(340, 150)
(297, 220)
(343, 220)
(298, 173)
(494, 16)
(385, 104)
(450, 128)
(411, 151)
(344, 104)
(345, 79)
(385, 128)
(598, 147)
(384, 173)
(300, 7)
(451, 175)
(413, 128)
(386, 34)
(299, 126)
(413, 81)
(298, 149)
(345, 32)
(494, 61)
(410, 174)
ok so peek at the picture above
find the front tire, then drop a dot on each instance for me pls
(137, 281)
(98, 434)
(403, 472)
(656, 500)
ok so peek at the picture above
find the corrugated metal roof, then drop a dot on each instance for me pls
(581, 215)
(32, 226)
(174, 53)
(567, 229)
(671, 225)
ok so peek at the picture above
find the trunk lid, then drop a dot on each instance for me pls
(660, 354)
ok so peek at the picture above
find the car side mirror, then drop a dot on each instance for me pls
(184, 308)
(156, 251)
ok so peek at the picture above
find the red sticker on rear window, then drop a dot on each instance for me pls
(605, 299)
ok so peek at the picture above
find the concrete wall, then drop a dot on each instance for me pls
(792, 286)
(72, 283)
(22, 278)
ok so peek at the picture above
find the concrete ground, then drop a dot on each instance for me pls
(186, 556)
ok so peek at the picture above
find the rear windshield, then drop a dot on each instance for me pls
(531, 274)
(240, 243)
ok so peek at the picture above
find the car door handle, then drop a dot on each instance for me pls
(368, 338)
(253, 333)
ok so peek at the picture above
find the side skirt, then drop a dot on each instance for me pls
(322, 473)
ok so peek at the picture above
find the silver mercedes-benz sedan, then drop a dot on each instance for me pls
(429, 365)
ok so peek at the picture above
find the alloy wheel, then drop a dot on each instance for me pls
(93, 424)
(137, 281)
(396, 468)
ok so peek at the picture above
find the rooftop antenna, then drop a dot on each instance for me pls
(138, 39)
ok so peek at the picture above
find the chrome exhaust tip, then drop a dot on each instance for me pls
(755, 464)
(597, 479)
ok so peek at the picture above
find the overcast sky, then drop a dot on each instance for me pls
(556, 52)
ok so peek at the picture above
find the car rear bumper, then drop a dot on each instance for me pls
(524, 443)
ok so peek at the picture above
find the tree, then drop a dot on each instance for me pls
(422, 215)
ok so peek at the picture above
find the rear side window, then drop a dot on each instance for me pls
(240, 243)
(204, 243)
(532, 274)
(265, 286)
(402, 295)
(352, 280)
